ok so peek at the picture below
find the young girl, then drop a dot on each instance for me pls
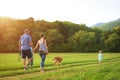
(31, 62)
(100, 56)
(43, 50)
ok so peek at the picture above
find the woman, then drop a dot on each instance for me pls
(43, 50)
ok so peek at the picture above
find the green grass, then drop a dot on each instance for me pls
(106, 71)
(98, 72)
(76, 66)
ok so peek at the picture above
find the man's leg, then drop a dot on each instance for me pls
(29, 60)
(28, 53)
(24, 59)
(24, 62)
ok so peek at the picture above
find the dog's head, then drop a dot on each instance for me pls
(59, 59)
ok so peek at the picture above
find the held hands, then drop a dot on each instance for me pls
(47, 53)
(34, 50)
(19, 49)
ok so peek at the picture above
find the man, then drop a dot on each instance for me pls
(25, 43)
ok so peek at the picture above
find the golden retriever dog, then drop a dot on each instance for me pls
(58, 60)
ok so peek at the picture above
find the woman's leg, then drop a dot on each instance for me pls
(42, 60)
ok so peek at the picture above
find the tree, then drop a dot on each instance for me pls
(111, 40)
(112, 43)
(83, 41)
(55, 40)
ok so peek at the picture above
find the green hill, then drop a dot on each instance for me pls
(108, 25)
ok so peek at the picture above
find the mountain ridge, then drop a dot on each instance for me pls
(108, 25)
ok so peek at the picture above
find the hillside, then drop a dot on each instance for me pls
(97, 25)
(108, 25)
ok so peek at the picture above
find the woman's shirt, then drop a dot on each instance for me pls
(42, 45)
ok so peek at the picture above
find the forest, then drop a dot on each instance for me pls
(62, 36)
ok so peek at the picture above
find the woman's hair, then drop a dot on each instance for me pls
(41, 35)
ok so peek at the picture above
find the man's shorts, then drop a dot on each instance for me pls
(26, 53)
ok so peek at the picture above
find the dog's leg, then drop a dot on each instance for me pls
(55, 62)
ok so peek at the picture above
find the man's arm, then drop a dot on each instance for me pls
(36, 46)
(31, 44)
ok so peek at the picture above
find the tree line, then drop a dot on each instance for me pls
(61, 36)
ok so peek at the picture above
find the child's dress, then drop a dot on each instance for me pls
(100, 57)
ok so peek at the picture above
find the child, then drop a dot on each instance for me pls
(100, 56)
(31, 62)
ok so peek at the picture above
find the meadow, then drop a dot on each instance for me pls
(75, 66)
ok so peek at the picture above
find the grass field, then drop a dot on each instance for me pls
(76, 66)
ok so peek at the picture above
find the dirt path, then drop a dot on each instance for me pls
(20, 76)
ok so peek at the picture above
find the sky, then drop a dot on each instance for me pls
(87, 12)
